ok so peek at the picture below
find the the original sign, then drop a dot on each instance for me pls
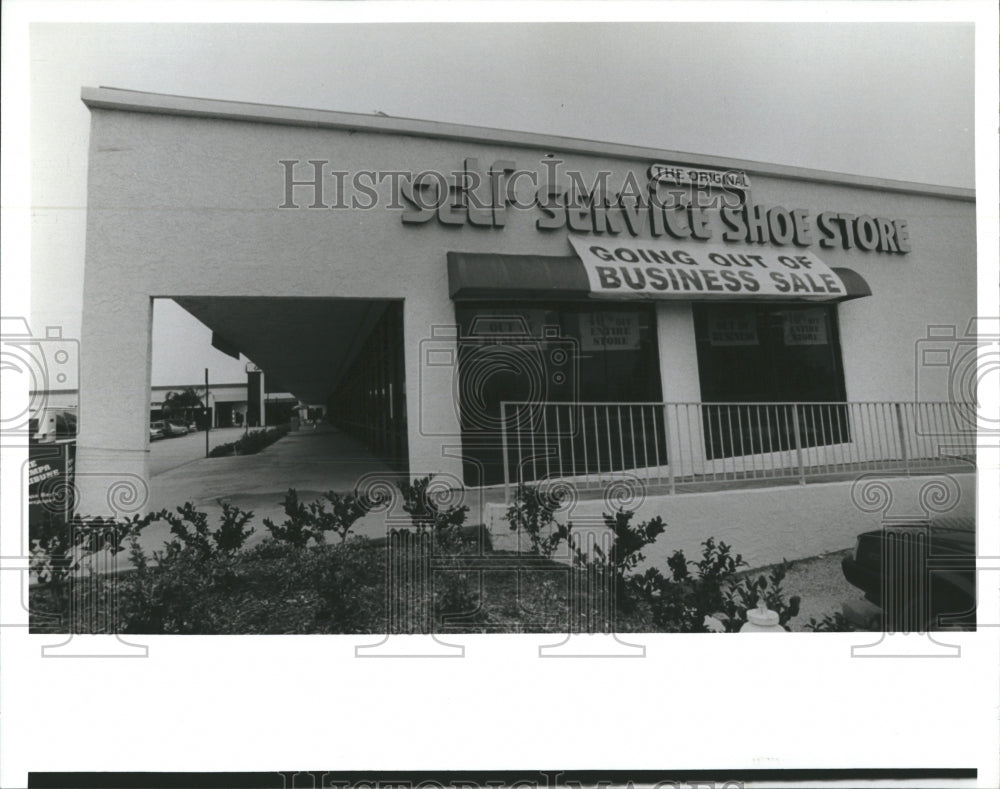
(698, 177)
(633, 268)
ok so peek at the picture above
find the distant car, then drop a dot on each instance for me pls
(156, 431)
(54, 425)
(933, 583)
(173, 428)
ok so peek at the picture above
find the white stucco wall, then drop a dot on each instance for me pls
(188, 206)
(768, 525)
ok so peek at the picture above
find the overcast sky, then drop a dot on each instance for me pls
(886, 100)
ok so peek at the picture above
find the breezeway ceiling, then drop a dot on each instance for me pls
(303, 345)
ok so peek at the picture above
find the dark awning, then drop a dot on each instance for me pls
(538, 277)
(527, 277)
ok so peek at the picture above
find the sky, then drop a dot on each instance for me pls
(892, 100)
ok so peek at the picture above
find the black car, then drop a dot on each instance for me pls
(916, 576)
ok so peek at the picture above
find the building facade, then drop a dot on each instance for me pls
(499, 307)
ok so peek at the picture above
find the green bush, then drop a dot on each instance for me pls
(426, 505)
(831, 623)
(58, 550)
(271, 588)
(310, 522)
(251, 443)
(207, 581)
(716, 596)
(533, 514)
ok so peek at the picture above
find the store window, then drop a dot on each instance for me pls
(769, 354)
(562, 355)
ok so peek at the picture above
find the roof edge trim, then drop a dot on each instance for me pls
(165, 104)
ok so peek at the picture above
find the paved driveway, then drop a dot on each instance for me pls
(169, 453)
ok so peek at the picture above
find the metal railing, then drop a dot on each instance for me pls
(683, 445)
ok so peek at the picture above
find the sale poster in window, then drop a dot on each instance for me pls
(805, 327)
(609, 331)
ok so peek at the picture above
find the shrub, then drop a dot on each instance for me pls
(206, 582)
(427, 508)
(533, 514)
(251, 443)
(351, 588)
(716, 595)
(58, 549)
(831, 623)
(305, 522)
(626, 550)
(748, 593)
(458, 598)
(271, 588)
(190, 528)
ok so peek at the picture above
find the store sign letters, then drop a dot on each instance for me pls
(672, 201)
(667, 201)
(632, 268)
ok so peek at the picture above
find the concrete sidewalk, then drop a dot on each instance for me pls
(311, 460)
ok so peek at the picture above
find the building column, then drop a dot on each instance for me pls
(433, 434)
(112, 457)
(679, 383)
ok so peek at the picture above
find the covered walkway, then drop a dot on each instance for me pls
(311, 460)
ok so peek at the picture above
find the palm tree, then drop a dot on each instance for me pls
(182, 403)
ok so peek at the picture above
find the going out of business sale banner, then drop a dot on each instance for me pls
(637, 268)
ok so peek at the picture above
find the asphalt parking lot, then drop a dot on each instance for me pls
(170, 453)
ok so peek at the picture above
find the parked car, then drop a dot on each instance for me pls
(931, 582)
(156, 431)
(174, 427)
(53, 424)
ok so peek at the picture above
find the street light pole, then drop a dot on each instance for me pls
(208, 413)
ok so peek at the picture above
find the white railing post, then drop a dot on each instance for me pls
(744, 444)
(798, 443)
(673, 453)
(902, 437)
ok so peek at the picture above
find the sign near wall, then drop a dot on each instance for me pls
(697, 177)
(805, 327)
(632, 268)
(609, 331)
(521, 322)
(732, 329)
